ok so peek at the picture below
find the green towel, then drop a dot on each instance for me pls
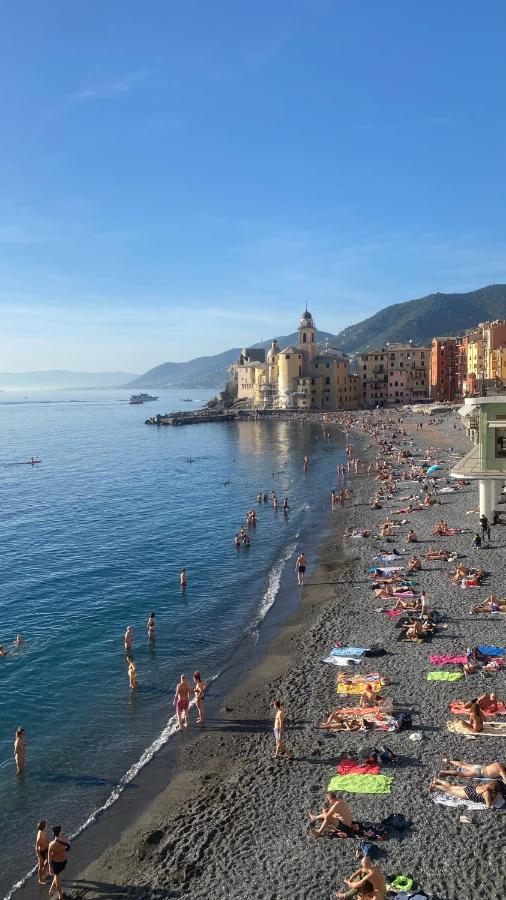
(361, 784)
(444, 676)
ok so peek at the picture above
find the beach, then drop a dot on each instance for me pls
(234, 822)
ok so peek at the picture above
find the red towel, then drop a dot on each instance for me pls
(457, 707)
(393, 613)
(348, 767)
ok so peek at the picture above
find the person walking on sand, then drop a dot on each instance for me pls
(20, 750)
(132, 673)
(182, 702)
(183, 580)
(300, 568)
(41, 845)
(198, 692)
(57, 859)
(150, 625)
(129, 638)
(279, 729)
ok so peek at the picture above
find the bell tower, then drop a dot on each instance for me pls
(307, 337)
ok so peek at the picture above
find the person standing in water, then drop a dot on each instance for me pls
(57, 859)
(129, 637)
(199, 690)
(300, 568)
(306, 463)
(182, 702)
(132, 673)
(183, 580)
(279, 729)
(20, 750)
(41, 845)
(151, 623)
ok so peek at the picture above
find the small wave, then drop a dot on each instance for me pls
(273, 582)
(124, 781)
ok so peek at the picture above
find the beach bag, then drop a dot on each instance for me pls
(405, 721)
(396, 821)
(383, 755)
(368, 849)
(375, 651)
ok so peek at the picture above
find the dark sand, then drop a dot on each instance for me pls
(233, 823)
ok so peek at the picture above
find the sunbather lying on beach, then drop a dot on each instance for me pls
(434, 553)
(407, 604)
(486, 703)
(335, 722)
(482, 793)
(336, 815)
(491, 605)
(470, 770)
(463, 571)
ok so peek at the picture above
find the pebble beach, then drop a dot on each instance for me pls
(234, 822)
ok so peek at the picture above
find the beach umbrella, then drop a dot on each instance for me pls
(433, 469)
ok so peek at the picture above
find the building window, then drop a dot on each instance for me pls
(287, 356)
(312, 381)
(328, 365)
(304, 338)
(327, 381)
(300, 370)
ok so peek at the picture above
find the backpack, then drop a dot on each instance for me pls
(383, 754)
(396, 821)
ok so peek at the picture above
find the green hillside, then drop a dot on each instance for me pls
(421, 320)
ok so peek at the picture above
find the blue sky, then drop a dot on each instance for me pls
(176, 179)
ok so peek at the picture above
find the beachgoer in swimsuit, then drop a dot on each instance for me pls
(279, 728)
(57, 859)
(475, 721)
(336, 815)
(183, 580)
(41, 845)
(20, 750)
(494, 770)
(482, 793)
(151, 625)
(3, 651)
(129, 637)
(300, 568)
(132, 673)
(18, 641)
(368, 874)
(182, 702)
(198, 692)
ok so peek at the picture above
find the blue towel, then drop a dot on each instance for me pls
(490, 651)
(347, 651)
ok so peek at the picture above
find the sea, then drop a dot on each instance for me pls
(93, 540)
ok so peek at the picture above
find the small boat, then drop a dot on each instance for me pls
(141, 398)
(186, 399)
(33, 461)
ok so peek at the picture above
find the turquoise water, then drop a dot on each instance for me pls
(93, 540)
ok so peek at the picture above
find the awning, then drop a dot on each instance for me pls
(497, 423)
(465, 411)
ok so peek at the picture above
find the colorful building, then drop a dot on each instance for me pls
(447, 363)
(394, 375)
(305, 376)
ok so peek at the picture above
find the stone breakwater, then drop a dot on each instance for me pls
(234, 823)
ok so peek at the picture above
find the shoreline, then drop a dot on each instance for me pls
(142, 797)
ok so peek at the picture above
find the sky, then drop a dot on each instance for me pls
(180, 178)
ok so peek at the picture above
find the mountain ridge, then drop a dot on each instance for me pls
(418, 320)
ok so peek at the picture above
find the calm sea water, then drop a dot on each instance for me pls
(93, 540)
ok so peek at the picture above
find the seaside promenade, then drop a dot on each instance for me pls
(234, 823)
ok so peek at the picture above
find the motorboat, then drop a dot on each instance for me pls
(141, 398)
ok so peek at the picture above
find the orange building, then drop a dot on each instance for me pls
(447, 365)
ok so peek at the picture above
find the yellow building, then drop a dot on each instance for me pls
(395, 374)
(305, 376)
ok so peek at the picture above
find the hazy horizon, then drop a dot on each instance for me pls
(179, 183)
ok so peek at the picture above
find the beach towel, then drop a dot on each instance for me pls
(490, 729)
(445, 660)
(342, 661)
(448, 800)
(356, 687)
(344, 711)
(457, 707)
(348, 767)
(361, 784)
(393, 613)
(444, 676)
(404, 595)
(492, 651)
(348, 651)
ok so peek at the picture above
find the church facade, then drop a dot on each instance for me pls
(305, 376)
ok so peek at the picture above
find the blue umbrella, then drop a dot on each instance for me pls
(433, 469)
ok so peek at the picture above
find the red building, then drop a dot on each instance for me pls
(448, 361)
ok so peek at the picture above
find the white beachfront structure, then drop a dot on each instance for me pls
(485, 418)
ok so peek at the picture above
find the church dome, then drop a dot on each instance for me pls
(272, 352)
(306, 320)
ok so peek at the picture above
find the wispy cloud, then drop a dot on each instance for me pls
(98, 88)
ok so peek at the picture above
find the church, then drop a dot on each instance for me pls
(306, 376)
